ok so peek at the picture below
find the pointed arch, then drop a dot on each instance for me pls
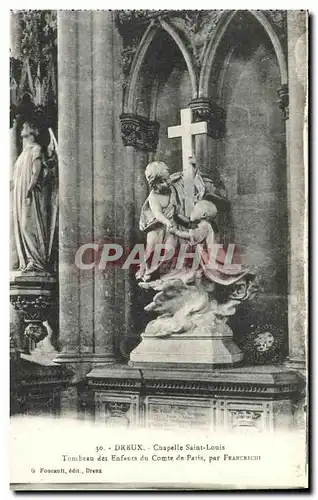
(171, 31)
(149, 35)
(215, 41)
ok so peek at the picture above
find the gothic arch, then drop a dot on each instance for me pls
(131, 95)
(215, 41)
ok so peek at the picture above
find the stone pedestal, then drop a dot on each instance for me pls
(187, 351)
(259, 399)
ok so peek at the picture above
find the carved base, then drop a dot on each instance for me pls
(257, 399)
(184, 351)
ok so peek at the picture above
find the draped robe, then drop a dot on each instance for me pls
(30, 220)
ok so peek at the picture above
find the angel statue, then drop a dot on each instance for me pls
(35, 206)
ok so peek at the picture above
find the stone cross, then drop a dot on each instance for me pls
(187, 130)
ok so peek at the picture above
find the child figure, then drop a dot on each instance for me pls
(203, 214)
(157, 216)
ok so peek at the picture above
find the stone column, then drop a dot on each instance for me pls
(86, 183)
(297, 186)
(69, 181)
(103, 178)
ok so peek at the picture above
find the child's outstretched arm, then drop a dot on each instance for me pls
(181, 234)
(195, 236)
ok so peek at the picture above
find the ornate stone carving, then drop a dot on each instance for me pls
(278, 19)
(245, 418)
(34, 75)
(116, 408)
(33, 296)
(138, 17)
(128, 53)
(188, 386)
(204, 110)
(283, 100)
(264, 344)
(116, 413)
(139, 132)
(32, 306)
(197, 27)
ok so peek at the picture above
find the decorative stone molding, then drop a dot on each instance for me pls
(283, 101)
(139, 132)
(223, 382)
(204, 110)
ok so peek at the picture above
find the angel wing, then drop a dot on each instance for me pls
(53, 147)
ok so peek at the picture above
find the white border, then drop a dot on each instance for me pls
(4, 184)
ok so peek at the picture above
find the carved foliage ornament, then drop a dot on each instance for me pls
(33, 297)
(39, 34)
(139, 132)
(204, 110)
(34, 309)
(34, 74)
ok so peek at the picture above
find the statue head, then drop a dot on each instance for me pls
(29, 130)
(203, 210)
(158, 177)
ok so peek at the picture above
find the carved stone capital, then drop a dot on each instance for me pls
(204, 110)
(33, 296)
(139, 132)
(283, 100)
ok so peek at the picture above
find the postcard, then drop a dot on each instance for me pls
(158, 242)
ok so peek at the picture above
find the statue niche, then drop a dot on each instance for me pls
(191, 304)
